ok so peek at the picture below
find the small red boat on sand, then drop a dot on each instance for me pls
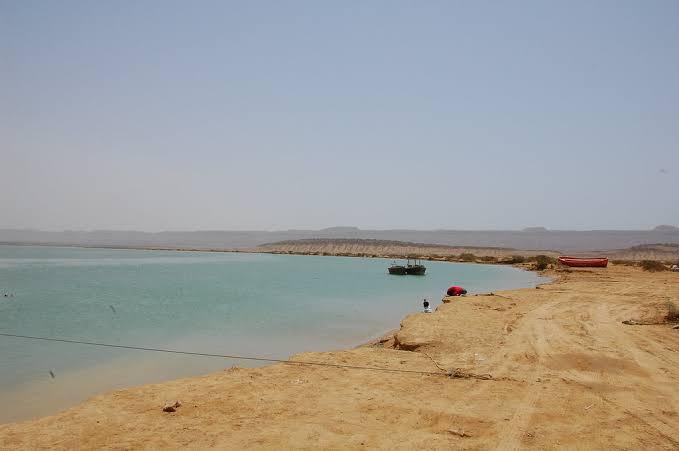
(581, 262)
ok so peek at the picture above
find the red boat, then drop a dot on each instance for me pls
(584, 262)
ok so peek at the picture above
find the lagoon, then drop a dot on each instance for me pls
(211, 302)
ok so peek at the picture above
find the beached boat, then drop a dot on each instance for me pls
(581, 262)
(398, 270)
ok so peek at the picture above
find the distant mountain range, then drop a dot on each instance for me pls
(666, 228)
(533, 238)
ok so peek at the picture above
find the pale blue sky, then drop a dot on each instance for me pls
(159, 115)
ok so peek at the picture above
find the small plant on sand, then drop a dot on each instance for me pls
(652, 265)
(542, 262)
(624, 262)
(488, 258)
(467, 257)
(516, 259)
(672, 312)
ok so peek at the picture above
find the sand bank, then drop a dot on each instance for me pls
(389, 249)
(396, 249)
(536, 368)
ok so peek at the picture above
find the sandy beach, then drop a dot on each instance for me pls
(532, 368)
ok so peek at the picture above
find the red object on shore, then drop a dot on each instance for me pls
(584, 262)
(456, 291)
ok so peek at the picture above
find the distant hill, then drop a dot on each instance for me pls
(661, 251)
(401, 249)
(377, 243)
(535, 229)
(390, 249)
(342, 229)
(562, 240)
(666, 228)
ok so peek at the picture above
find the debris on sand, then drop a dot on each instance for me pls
(633, 322)
(172, 407)
(459, 373)
(459, 433)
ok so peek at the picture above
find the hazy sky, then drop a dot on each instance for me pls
(160, 115)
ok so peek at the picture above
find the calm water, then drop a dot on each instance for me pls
(247, 304)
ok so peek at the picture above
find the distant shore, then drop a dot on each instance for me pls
(567, 241)
(400, 250)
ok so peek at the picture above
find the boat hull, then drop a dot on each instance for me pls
(579, 262)
(397, 270)
(416, 270)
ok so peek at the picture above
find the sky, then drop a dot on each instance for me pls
(270, 115)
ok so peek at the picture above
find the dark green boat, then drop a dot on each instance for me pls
(416, 269)
(398, 270)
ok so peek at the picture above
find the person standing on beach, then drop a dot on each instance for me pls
(427, 309)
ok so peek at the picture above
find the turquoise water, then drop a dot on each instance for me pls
(226, 303)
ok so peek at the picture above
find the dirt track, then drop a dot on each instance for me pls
(565, 372)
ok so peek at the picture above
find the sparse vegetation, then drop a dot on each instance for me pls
(624, 262)
(652, 265)
(542, 262)
(467, 257)
(672, 312)
(516, 259)
(488, 259)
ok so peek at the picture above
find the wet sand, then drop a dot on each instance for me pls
(531, 368)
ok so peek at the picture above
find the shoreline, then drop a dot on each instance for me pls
(532, 367)
(38, 390)
(368, 340)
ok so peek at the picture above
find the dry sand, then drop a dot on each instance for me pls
(389, 249)
(538, 368)
(396, 249)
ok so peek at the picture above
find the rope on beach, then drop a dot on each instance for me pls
(228, 356)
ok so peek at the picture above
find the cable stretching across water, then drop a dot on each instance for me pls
(225, 356)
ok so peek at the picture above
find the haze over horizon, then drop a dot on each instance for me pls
(533, 229)
(300, 115)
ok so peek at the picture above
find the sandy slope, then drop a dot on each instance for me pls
(565, 373)
(389, 249)
(663, 252)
